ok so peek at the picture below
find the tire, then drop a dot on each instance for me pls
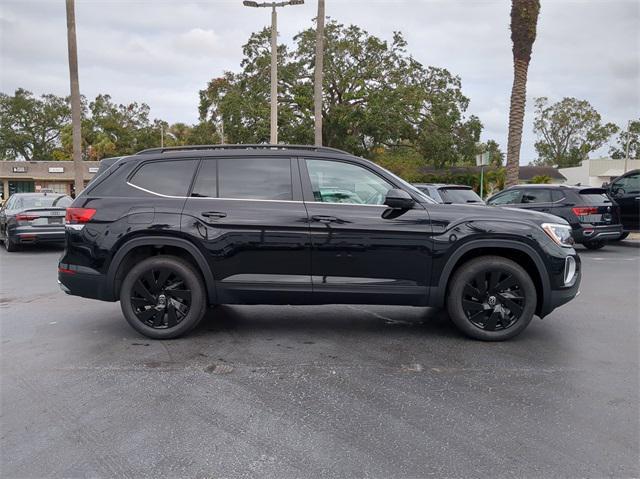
(623, 236)
(10, 245)
(491, 298)
(594, 244)
(163, 297)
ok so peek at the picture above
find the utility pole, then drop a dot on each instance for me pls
(626, 153)
(317, 82)
(274, 59)
(76, 112)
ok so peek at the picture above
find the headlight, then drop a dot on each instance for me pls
(561, 234)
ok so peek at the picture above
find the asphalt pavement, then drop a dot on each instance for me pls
(332, 391)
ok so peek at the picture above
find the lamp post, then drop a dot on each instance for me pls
(274, 58)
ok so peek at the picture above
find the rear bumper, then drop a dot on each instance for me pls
(29, 234)
(84, 282)
(588, 232)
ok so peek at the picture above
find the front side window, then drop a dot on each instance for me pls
(258, 179)
(536, 196)
(507, 198)
(206, 184)
(338, 182)
(168, 178)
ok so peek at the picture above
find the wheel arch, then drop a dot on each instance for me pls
(521, 253)
(136, 249)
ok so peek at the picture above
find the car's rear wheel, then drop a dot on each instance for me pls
(9, 244)
(163, 297)
(594, 244)
(491, 298)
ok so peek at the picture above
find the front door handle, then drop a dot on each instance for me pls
(324, 219)
(213, 214)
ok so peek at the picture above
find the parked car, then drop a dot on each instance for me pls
(450, 194)
(625, 192)
(594, 219)
(33, 218)
(172, 231)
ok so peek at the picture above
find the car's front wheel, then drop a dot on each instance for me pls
(163, 297)
(491, 298)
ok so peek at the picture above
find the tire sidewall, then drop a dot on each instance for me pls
(191, 278)
(468, 271)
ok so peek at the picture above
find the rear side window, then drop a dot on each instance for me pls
(206, 185)
(169, 178)
(536, 196)
(257, 179)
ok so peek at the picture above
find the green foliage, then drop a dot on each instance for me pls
(496, 156)
(524, 20)
(30, 127)
(375, 96)
(618, 151)
(541, 180)
(568, 131)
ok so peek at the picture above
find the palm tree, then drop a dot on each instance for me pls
(76, 115)
(524, 20)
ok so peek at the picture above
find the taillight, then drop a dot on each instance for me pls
(26, 217)
(584, 210)
(77, 216)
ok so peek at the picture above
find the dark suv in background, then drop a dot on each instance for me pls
(450, 194)
(170, 232)
(625, 192)
(594, 219)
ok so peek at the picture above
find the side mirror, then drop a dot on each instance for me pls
(398, 199)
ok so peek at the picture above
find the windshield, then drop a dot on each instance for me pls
(459, 195)
(40, 201)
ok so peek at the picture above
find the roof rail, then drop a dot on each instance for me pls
(240, 147)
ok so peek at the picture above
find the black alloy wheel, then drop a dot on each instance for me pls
(160, 298)
(491, 298)
(163, 297)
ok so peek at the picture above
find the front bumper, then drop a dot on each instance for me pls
(588, 232)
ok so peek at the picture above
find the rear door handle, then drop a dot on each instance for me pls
(213, 214)
(324, 219)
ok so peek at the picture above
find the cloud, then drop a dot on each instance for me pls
(163, 51)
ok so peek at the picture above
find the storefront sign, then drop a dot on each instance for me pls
(93, 169)
(19, 169)
(56, 169)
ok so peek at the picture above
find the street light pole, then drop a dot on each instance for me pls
(274, 75)
(317, 81)
(274, 58)
(626, 153)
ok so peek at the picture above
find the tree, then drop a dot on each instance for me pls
(30, 128)
(568, 131)
(496, 157)
(375, 96)
(541, 180)
(76, 112)
(618, 151)
(524, 21)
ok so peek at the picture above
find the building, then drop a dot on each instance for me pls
(597, 171)
(28, 176)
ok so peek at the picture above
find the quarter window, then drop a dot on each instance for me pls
(338, 182)
(258, 179)
(170, 178)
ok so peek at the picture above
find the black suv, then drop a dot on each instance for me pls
(625, 191)
(170, 232)
(594, 219)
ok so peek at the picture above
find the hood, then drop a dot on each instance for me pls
(461, 213)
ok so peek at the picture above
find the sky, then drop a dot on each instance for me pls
(162, 52)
